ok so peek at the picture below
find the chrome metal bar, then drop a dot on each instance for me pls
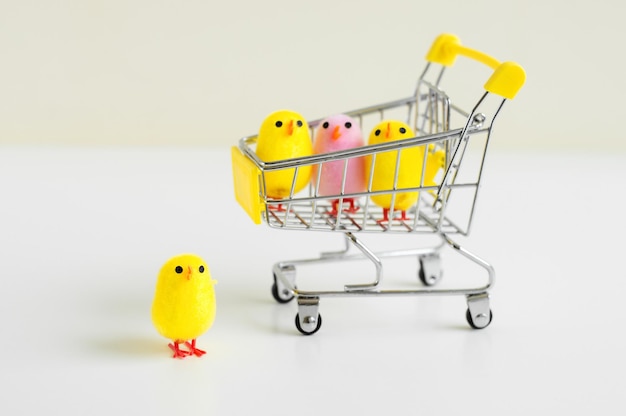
(370, 289)
(482, 165)
(377, 263)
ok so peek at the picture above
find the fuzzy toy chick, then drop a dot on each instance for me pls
(339, 132)
(409, 171)
(283, 135)
(184, 303)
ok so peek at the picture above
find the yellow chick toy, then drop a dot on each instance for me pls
(409, 171)
(283, 135)
(184, 303)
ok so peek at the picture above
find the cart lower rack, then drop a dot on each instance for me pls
(451, 145)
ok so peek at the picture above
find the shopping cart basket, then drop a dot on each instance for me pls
(444, 207)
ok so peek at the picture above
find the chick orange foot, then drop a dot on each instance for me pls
(350, 210)
(385, 218)
(178, 353)
(277, 208)
(193, 350)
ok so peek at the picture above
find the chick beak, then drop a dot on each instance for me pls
(188, 274)
(336, 133)
(388, 132)
(290, 128)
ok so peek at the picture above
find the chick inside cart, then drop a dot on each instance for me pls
(421, 171)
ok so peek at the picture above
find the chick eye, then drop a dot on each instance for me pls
(178, 269)
(325, 125)
(279, 123)
(402, 130)
(201, 269)
(348, 125)
(299, 123)
(377, 132)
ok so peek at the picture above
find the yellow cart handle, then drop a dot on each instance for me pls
(507, 78)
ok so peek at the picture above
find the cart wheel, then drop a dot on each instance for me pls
(282, 296)
(314, 325)
(430, 269)
(478, 322)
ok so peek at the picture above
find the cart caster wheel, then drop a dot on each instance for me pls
(311, 324)
(281, 296)
(430, 269)
(478, 322)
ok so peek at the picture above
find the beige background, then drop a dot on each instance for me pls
(144, 72)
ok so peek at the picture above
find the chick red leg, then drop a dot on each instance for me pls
(385, 216)
(403, 216)
(193, 350)
(178, 353)
(278, 208)
(352, 208)
(335, 204)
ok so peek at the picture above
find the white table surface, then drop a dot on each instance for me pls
(85, 231)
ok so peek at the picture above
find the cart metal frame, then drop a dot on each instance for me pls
(440, 125)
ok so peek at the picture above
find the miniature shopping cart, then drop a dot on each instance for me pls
(443, 208)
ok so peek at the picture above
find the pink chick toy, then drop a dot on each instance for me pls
(335, 133)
